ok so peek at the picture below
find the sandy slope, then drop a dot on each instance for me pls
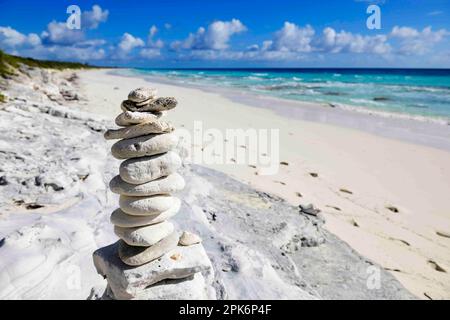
(359, 175)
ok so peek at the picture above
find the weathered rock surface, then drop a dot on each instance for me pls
(153, 105)
(145, 169)
(128, 118)
(144, 206)
(121, 219)
(143, 129)
(141, 94)
(191, 288)
(164, 185)
(136, 256)
(188, 238)
(126, 282)
(148, 145)
(144, 236)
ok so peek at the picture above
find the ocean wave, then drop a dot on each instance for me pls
(254, 78)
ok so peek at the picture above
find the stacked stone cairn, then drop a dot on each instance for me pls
(151, 260)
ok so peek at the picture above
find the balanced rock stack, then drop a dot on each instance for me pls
(150, 251)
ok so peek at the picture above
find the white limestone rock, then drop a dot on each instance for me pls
(143, 129)
(121, 219)
(128, 118)
(164, 185)
(188, 238)
(141, 94)
(148, 145)
(128, 283)
(192, 288)
(144, 236)
(145, 169)
(145, 206)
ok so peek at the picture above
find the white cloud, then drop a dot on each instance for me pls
(336, 42)
(167, 26)
(435, 13)
(150, 53)
(413, 42)
(215, 37)
(91, 19)
(58, 33)
(128, 42)
(11, 38)
(158, 44)
(292, 38)
(404, 32)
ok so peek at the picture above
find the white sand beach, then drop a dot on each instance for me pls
(384, 195)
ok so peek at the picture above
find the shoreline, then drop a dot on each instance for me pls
(386, 198)
(428, 131)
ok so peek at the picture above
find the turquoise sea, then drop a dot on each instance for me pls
(419, 92)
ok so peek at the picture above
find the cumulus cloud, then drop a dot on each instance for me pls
(151, 43)
(215, 37)
(128, 42)
(91, 19)
(413, 41)
(11, 38)
(336, 42)
(291, 38)
(57, 41)
(58, 33)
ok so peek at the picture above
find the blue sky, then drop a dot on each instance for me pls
(231, 33)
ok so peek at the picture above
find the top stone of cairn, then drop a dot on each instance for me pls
(141, 94)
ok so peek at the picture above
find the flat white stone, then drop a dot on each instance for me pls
(144, 236)
(148, 145)
(145, 169)
(128, 118)
(163, 185)
(121, 219)
(128, 282)
(148, 205)
(136, 256)
(143, 129)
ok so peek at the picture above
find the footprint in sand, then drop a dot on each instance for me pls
(280, 182)
(345, 191)
(313, 174)
(392, 208)
(333, 207)
(436, 267)
(298, 194)
(401, 240)
(284, 163)
(252, 166)
(443, 233)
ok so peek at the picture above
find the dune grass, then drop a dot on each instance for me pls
(8, 64)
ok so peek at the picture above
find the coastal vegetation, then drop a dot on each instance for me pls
(9, 63)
